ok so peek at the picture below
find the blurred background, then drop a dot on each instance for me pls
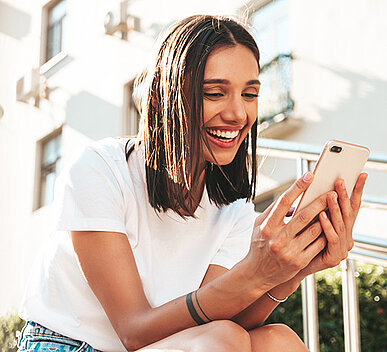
(67, 69)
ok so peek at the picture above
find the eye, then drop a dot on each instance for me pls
(213, 95)
(250, 95)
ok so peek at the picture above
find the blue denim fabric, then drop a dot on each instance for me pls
(36, 338)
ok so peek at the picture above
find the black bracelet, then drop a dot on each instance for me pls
(191, 308)
(197, 301)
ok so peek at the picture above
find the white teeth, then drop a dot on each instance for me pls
(223, 134)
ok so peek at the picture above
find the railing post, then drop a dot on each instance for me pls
(350, 306)
(309, 293)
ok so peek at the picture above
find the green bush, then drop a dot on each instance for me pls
(10, 327)
(372, 288)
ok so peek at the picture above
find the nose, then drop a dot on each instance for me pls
(234, 111)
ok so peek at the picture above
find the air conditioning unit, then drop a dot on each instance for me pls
(31, 85)
(133, 23)
(111, 23)
(120, 21)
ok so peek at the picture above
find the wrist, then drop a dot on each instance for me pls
(287, 288)
(253, 283)
(251, 286)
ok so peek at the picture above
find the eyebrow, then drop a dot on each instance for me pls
(226, 81)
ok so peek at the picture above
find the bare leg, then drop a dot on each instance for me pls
(217, 336)
(274, 338)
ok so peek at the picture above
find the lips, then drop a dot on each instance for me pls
(224, 135)
(224, 138)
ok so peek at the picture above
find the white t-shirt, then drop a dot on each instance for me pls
(100, 191)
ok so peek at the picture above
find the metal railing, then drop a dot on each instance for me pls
(367, 248)
(275, 99)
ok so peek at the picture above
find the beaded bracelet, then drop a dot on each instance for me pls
(276, 299)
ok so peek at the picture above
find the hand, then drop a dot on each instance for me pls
(338, 231)
(278, 251)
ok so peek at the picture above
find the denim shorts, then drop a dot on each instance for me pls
(36, 338)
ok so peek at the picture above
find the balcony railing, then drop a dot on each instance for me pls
(367, 248)
(275, 100)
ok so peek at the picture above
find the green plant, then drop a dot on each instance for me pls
(372, 288)
(10, 327)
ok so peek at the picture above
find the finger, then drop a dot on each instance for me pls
(310, 234)
(284, 203)
(261, 217)
(313, 250)
(335, 213)
(357, 193)
(333, 240)
(345, 203)
(307, 214)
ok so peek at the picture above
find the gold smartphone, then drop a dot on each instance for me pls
(337, 160)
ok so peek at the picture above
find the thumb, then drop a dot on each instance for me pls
(261, 217)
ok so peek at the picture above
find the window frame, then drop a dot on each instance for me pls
(45, 62)
(130, 124)
(40, 168)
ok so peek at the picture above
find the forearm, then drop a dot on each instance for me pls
(220, 299)
(256, 314)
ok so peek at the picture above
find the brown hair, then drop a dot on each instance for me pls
(171, 122)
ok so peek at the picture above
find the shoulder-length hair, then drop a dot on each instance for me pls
(172, 119)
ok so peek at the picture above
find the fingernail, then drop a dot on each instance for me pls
(324, 215)
(334, 197)
(308, 176)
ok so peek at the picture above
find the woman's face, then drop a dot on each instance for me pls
(230, 103)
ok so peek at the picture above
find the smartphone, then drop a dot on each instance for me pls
(337, 160)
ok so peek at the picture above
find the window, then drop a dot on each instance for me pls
(56, 24)
(50, 150)
(132, 98)
(272, 33)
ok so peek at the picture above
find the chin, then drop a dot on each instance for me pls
(221, 161)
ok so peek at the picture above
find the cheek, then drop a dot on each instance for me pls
(252, 115)
(208, 111)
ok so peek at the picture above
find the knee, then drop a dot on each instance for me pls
(229, 336)
(279, 331)
(282, 335)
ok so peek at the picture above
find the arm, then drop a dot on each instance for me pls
(338, 232)
(115, 281)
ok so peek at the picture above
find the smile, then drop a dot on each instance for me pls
(223, 135)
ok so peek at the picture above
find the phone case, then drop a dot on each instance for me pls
(346, 164)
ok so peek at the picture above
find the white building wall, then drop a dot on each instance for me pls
(340, 82)
(339, 79)
(86, 93)
(340, 72)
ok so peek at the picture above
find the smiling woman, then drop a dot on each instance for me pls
(230, 104)
(194, 89)
(156, 243)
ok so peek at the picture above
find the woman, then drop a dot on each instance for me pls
(155, 246)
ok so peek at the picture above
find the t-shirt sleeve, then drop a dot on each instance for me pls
(88, 196)
(236, 245)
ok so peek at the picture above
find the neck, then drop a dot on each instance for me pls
(197, 193)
